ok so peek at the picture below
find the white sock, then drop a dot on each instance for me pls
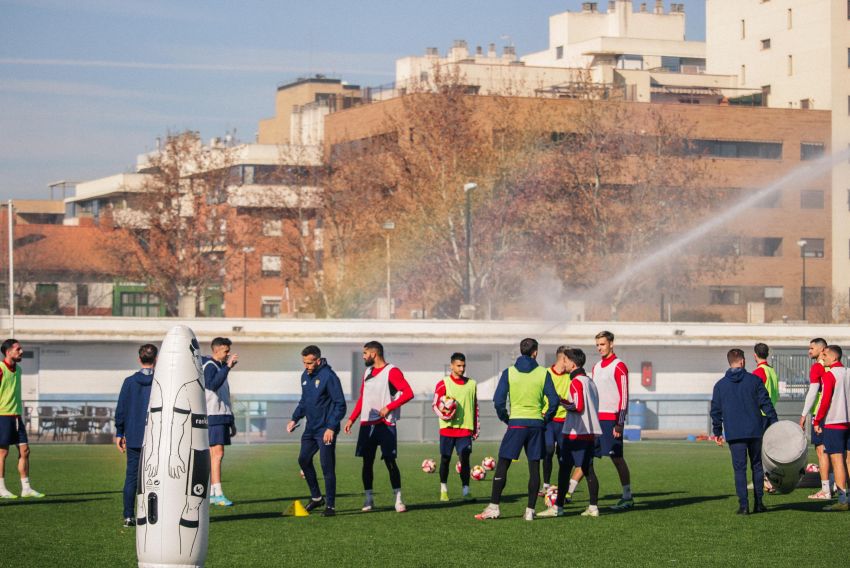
(529, 511)
(444, 487)
(592, 508)
(25, 484)
(826, 487)
(573, 485)
(465, 490)
(627, 491)
(215, 490)
(316, 499)
(3, 490)
(397, 496)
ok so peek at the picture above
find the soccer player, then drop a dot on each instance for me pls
(13, 432)
(130, 415)
(770, 379)
(612, 381)
(222, 426)
(323, 404)
(383, 391)
(527, 385)
(810, 407)
(458, 431)
(580, 430)
(833, 422)
(561, 379)
(735, 404)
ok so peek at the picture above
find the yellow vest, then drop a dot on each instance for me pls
(10, 391)
(464, 416)
(526, 393)
(562, 387)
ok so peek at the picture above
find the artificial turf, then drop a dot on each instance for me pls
(683, 516)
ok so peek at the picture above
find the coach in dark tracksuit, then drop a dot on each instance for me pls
(323, 404)
(130, 416)
(738, 400)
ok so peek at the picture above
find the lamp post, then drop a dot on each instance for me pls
(467, 281)
(245, 252)
(802, 244)
(388, 226)
(11, 212)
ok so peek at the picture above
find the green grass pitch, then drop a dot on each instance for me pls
(683, 516)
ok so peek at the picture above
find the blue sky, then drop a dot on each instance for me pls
(86, 85)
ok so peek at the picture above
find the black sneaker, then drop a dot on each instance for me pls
(759, 508)
(742, 510)
(329, 512)
(129, 522)
(314, 504)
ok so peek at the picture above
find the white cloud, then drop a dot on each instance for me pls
(72, 89)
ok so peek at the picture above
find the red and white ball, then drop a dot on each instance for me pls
(488, 463)
(447, 406)
(429, 466)
(478, 473)
(551, 496)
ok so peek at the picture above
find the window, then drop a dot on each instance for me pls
(848, 199)
(790, 65)
(271, 308)
(559, 52)
(805, 104)
(82, 295)
(765, 43)
(724, 295)
(423, 76)
(725, 246)
(811, 199)
(770, 201)
(765, 93)
(790, 19)
(763, 246)
(744, 28)
(272, 227)
(814, 296)
(737, 149)
(743, 74)
(139, 304)
(773, 294)
(813, 248)
(46, 299)
(271, 265)
(811, 150)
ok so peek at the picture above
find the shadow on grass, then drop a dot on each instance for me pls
(46, 501)
(670, 503)
(284, 499)
(812, 506)
(246, 517)
(85, 493)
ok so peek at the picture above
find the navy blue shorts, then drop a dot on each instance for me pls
(553, 433)
(817, 439)
(576, 453)
(12, 431)
(459, 444)
(377, 435)
(219, 434)
(528, 438)
(606, 444)
(836, 441)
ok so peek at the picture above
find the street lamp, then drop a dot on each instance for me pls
(245, 252)
(388, 226)
(467, 281)
(802, 244)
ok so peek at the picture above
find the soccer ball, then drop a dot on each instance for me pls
(428, 466)
(488, 463)
(478, 473)
(551, 496)
(812, 468)
(447, 406)
(457, 466)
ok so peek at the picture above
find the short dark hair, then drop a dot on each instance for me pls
(576, 355)
(7, 344)
(220, 341)
(836, 350)
(820, 342)
(761, 350)
(458, 357)
(312, 350)
(148, 353)
(735, 355)
(528, 346)
(562, 350)
(606, 334)
(376, 347)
